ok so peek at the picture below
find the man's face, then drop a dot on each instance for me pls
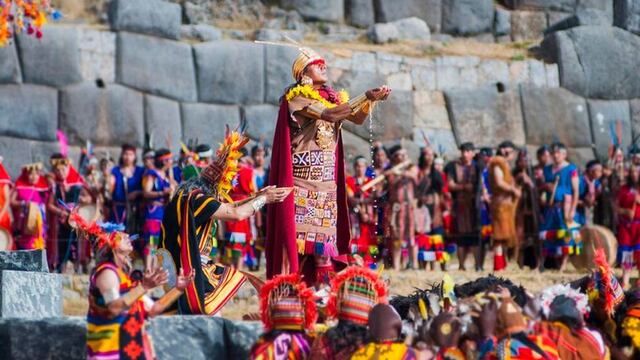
(167, 163)
(595, 172)
(509, 153)
(128, 157)
(467, 156)
(360, 168)
(399, 156)
(559, 155)
(544, 157)
(428, 155)
(61, 171)
(380, 158)
(258, 158)
(317, 73)
(148, 162)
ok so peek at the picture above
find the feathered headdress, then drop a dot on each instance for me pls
(548, 295)
(100, 235)
(287, 304)
(220, 173)
(354, 291)
(604, 285)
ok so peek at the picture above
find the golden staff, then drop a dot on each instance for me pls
(378, 179)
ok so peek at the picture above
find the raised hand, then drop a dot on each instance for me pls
(184, 280)
(154, 277)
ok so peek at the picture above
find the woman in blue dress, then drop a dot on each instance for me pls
(157, 189)
(126, 190)
(560, 229)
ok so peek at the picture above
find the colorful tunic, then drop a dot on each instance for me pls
(308, 155)
(35, 197)
(385, 351)
(121, 337)
(521, 348)
(573, 344)
(281, 346)
(5, 212)
(62, 244)
(629, 227)
(238, 233)
(430, 239)
(363, 221)
(186, 234)
(400, 209)
(122, 187)
(560, 238)
(465, 216)
(153, 211)
(486, 221)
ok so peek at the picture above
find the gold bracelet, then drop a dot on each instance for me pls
(169, 298)
(133, 295)
(357, 102)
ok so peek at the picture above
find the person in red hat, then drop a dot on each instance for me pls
(311, 228)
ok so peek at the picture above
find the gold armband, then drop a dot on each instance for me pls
(357, 102)
(133, 295)
(169, 298)
(316, 109)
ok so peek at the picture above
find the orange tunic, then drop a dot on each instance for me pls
(503, 204)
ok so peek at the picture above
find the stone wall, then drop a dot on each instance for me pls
(115, 85)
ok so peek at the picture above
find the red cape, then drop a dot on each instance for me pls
(281, 227)
(22, 183)
(4, 176)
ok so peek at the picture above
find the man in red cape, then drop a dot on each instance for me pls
(308, 155)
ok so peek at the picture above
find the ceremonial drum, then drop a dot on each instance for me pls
(90, 212)
(165, 261)
(5, 240)
(593, 238)
(33, 213)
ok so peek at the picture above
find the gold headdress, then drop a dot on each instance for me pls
(306, 57)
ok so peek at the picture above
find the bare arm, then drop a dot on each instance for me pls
(500, 183)
(228, 212)
(575, 186)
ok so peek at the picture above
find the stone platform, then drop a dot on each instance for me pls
(30, 295)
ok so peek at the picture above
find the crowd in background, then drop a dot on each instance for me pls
(411, 216)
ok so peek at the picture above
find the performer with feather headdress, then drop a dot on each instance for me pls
(190, 217)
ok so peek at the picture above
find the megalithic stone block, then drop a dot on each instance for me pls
(30, 295)
(24, 260)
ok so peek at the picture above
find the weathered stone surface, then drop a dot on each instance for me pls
(24, 260)
(201, 32)
(443, 141)
(164, 68)
(448, 77)
(605, 115)
(162, 119)
(605, 6)
(634, 110)
(30, 295)
(392, 119)
(627, 15)
(261, 121)
(493, 72)
(206, 337)
(555, 114)
(430, 110)
(400, 81)
(9, 65)
(28, 111)
(580, 156)
(317, 10)
(526, 25)
(97, 54)
(207, 122)
(53, 61)
(553, 77)
(358, 81)
(153, 17)
(558, 5)
(502, 22)
(537, 72)
(354, 146)
(467, 17)
(51, 338)
(458, 61)
(278, 35)
(412, 28)
(278, 71)
(220, 83)
(117, 114)
(196, 13)
(596, 61)
(582, 17)
(484, 116)
(383, 33)
(423, 78)
(518, 72)
(428, 10)
(360, 13)
(13, 151)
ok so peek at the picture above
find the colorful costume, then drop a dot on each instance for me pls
(238, 233)
(629, 227)
(153, 211)
(120, 337)
(124, 210)
(430, 239)
(464, 212)
(559, 237)
(486, 220)
(308, 155)
(5, 210)
(400, 209)
(288, 311)
(363, 221)
(503, 207)
(62, 244)
(35, 198)
(187, 232)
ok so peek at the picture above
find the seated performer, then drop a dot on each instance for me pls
(118, 305)
(189, 218)
(354, 292)
(385, 328)
(288, 312)
(30, 194)
(308, 155)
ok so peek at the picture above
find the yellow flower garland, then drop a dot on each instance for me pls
(309, 92)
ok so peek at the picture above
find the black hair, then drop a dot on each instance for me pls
(541, 150)
(127, 147)
(593, 163)
(467, 146)
(160, 153)
(202, 148)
